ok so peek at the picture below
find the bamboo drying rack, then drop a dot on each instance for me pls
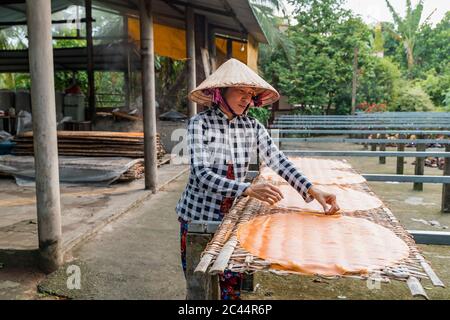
(224, 251)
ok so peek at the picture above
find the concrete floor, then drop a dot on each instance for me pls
(135, 257)
(85, 211)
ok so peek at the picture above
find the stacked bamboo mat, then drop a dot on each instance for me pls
(136, 171)
(92, 144)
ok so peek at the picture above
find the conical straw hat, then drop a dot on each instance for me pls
(234, 73)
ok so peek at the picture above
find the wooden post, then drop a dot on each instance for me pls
(229, 48)
(248, 283)
(199, 286)
(400, 160)
(446, 187)
(212, 48)
(382, 160)
(90, 61)
(148, 94)
(273, 111)
(373, 146)
(420, 165)
(45, 139)
(190, 48)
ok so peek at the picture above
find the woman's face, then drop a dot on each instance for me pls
(238, 98)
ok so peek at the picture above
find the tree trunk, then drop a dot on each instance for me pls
(327, 112)
(409, 55)
(355, 79)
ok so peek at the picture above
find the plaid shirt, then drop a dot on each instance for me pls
(214, 141)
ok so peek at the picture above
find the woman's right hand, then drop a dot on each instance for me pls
(264, 192)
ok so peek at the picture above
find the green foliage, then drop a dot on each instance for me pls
(436, 86)
(323, 40)
(407, 29)
(271, 24)
(433, 48)
(260, 113)
(13, 81)
(379, 81)
(447, 102)
(378, 45)
(171, 83)
(412, 98)
(14, 38)
(307, 110)
(64, 79)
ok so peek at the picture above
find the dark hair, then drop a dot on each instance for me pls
(223, 90)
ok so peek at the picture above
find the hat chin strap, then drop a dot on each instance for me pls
(227, 106)
(231, 109)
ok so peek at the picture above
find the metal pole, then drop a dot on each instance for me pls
(45, 137)
(401, 160)
(148, 93)
(190, 53)
(446, 187)
(382, 160)
(90, 61)
(420, 165)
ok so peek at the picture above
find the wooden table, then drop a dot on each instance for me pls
(9, 124)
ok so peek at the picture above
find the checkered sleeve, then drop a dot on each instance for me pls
(278, 162)
(201, 163)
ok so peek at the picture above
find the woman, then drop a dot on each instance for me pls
(221, 141)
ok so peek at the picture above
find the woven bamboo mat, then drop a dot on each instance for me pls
(224, 251)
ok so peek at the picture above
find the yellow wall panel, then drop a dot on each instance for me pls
(171, 42)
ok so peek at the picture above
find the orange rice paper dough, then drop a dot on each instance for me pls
(348, 199)
(319, 171)
(320, 163)
(321, 245)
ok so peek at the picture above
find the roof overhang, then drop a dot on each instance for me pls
(229, 17)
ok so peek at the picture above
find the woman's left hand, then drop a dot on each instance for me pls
(325, 199)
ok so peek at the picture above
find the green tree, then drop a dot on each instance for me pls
(407, 29)
(436, 86)
(279, 43)
(378, 43)
(379, 81)
(412, 98)
(324, 39)
(433, 47)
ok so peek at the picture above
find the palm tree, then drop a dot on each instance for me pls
(265, 11)
(407, 28)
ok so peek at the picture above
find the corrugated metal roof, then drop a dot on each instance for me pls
(230, 17)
